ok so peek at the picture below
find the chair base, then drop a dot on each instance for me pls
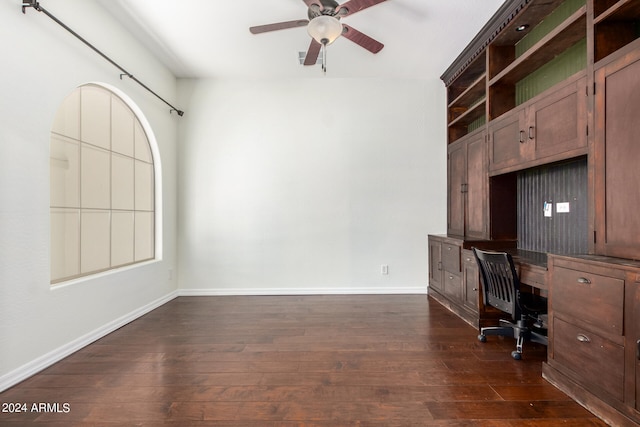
(520, 331)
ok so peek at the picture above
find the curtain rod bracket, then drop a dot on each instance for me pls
(30, 3)
(34, 4)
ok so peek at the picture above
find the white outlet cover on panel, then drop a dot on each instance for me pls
(562, 207)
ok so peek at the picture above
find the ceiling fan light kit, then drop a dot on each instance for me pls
(324, 27)
(325, 30)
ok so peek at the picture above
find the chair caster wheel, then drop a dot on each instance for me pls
(482, 338)
(516, 355)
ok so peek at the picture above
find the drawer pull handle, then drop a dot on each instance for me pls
(583, 338)
(439, 265)
(638, 349)
(584, 281)
(521, 137)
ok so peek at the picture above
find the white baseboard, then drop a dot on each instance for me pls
(408, 290)
(25, 371)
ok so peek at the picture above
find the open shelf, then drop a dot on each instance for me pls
(623, 10)
(572, 30)
(617, 25)
(473, 113)
(471, 94)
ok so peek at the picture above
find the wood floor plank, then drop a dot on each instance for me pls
(334, 360)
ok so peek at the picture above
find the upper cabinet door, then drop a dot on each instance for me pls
(507, 139)
(617, 156)
(550, 127)
(557, 123)
(476, 187)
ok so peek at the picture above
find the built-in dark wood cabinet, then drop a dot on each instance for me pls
(506, 141)
(435, 263)
(617, 153)
(633, 352)
(593, 353)
(550, 127)
(471, 280)
(467, 187)
(444, 269)
(551, 88)
(447, 273)
(454, 279)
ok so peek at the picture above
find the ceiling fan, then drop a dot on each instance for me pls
(324, 26)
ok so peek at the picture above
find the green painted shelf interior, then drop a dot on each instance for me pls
(563, 66)
(477, 123)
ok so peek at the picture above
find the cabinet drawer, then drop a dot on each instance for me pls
(453, 286)
(451, 258)
(594, 299)
(468, 257)
(595, 359)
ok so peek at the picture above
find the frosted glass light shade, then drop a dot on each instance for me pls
(324, 29)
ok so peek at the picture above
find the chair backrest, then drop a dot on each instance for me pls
(500, 281)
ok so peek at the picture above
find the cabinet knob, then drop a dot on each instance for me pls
(476, 289)
(584, 281)
(583, 338)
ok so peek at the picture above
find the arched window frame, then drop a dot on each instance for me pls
(156, 172)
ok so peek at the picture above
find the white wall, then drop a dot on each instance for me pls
(309, 186)
(41, 64)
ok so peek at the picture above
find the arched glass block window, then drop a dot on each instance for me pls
(102, 186)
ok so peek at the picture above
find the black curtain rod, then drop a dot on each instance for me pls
(34, 4)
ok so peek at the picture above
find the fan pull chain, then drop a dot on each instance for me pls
(324, 58)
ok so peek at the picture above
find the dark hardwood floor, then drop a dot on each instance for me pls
(297, 361)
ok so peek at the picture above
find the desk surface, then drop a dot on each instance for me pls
(521, 256)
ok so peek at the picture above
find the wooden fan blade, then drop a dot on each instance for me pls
(361, 39)
(353, 6)
(312, 53)
(278, 26)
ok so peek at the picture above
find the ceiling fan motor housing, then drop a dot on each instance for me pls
(328, 8)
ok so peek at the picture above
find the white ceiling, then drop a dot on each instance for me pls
(211, 38)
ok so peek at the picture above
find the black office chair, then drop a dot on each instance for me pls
(501, 289)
